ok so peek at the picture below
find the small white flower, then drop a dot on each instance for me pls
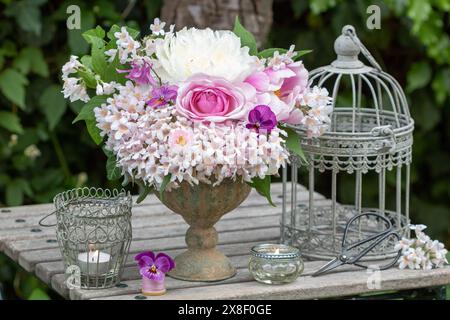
(13, 140)
(157, 27)
(111, 53)
(75, 90)
(99, 89)
(417, 227)
(32, 152)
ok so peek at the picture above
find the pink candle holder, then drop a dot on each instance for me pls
(152, 287)
(153, 269)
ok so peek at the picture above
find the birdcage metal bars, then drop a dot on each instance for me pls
(366, 137)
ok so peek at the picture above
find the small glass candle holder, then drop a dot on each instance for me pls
(275, 263)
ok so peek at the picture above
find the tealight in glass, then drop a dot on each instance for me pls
(275, 263)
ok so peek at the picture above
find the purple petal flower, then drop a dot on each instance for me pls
(140, 73)
(261, 118)
(171, 261)
(162, 96)
(154, 267)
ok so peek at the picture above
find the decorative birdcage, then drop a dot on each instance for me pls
(370, 134)
(93, 228)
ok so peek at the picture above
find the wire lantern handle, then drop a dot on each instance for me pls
(41, 222)
(349, 31)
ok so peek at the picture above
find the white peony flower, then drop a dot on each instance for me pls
(192, 51)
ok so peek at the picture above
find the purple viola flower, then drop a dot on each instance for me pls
(162, 96)
(154, 267)
(140, 73)
(261, 118)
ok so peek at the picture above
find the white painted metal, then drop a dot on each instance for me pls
(373, 133)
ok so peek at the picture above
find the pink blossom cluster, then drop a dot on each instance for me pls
(151, 143)
(422, 252)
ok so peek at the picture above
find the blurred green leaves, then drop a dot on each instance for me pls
(12, 85)
(53, 105)
(418, 76)
(27, 14)
(10, 122)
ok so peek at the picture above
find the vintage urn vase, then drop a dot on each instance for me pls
(201, 206)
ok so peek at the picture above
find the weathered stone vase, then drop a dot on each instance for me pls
(201, 206)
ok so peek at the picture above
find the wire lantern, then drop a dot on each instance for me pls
(93, 228)
(370, 133)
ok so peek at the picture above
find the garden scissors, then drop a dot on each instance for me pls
(353, 252)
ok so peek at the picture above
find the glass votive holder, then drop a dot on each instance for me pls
(275, 263)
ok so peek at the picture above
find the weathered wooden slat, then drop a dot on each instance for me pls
(151, 200)
(25, 233)
(46, 270)
(29, 259)
(133, 287)
(140, 231)
(330, 285)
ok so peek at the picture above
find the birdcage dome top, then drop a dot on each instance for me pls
(370, 115)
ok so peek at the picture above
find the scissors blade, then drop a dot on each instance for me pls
(336, 262)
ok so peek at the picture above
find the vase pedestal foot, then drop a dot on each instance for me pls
(202, 265)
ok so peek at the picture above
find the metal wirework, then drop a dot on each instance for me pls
(372, 131)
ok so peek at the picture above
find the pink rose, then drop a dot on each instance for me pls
(214, 99)
(280, 88)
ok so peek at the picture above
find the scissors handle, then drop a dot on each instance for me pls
(376, 235)
(381, 238)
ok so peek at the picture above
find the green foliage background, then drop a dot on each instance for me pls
(413, 45)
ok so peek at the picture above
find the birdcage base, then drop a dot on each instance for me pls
(322, 239)
(99, 282)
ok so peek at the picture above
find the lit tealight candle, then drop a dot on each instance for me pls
(93, 262)
(275, 263)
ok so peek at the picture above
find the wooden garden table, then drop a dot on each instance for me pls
(155, 228)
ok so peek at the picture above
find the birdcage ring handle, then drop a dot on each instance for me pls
(45, 217)
(350, 32)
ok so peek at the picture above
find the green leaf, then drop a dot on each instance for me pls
(99, 63)
(27, 15)
(53, 105)
(87, 61)
(441, 85)
(95, 36)
(31, 59)
(301, 53)
(268, 53)
(113, 172)
(262, 186)
(144, 191)
(38, 294)
(12, 85)
(10, 122)
(87, 112)
(114, 28)
(88, 78)
(418, 76)
(247, 39)
(111, 73)
(293, 143)
(163, 186)
(94, 131)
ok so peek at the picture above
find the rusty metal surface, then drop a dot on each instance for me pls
(201, 206)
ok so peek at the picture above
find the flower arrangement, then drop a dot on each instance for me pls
(422, 252)
(193, 105)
